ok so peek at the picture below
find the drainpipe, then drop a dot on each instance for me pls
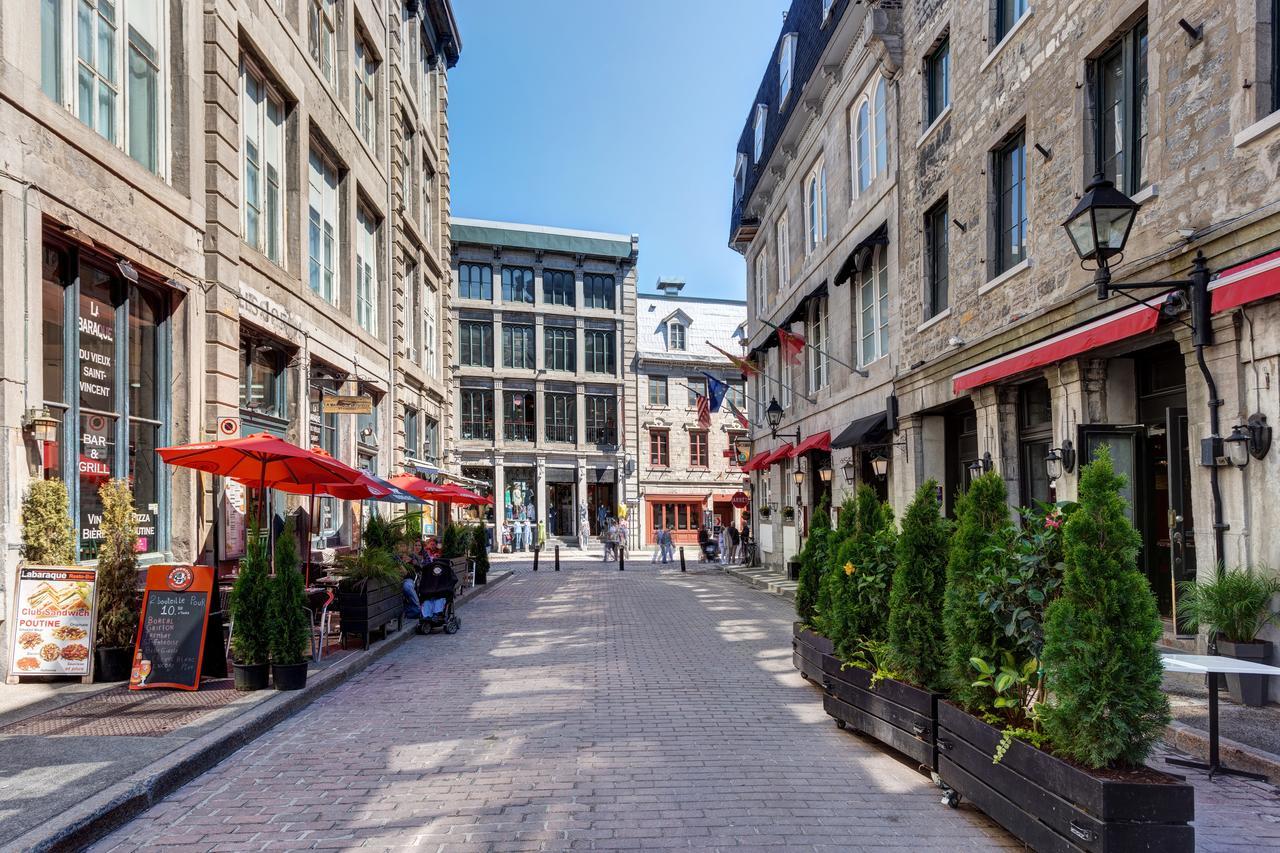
(390, 429)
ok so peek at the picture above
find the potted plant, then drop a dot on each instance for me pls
(369, 595)
(290, 629)
(808, 646)
(454, 544)
(1071, 774)
(1234, 607)
(480, 553)
(765, 512)
(118, 603)
(250, 609)
(47, 535)
(788, 514)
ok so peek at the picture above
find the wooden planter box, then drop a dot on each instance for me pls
(896, 714)
(1054, 806)
(807, 650)
(363, 612)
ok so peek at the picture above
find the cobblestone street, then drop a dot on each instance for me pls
(589, 709)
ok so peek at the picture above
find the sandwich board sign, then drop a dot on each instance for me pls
(53, 622)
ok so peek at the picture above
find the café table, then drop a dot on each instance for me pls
(1215, 666)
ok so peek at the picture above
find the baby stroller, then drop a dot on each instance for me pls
(435, 581)
(709, 545)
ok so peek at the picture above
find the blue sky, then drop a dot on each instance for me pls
(611, 115)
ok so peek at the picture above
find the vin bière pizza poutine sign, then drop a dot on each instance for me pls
(53, 621)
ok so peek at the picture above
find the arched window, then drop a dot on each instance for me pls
(882, 130)
(863, 145)
(811, 195)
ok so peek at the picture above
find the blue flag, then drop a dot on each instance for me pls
(715, 391)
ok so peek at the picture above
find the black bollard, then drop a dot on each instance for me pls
(536, 551)
(557, 558)
(622, 559)
(682, 558)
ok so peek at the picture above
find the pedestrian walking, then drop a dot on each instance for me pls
(668, 545)
(623, 529)
(731, 533)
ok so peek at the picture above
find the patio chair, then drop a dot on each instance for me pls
(224, 601)
(321, 622)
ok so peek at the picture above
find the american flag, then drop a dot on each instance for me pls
(704, 412)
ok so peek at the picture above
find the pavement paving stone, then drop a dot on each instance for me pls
(584, 710)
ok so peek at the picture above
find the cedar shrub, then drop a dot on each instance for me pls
(814, 558)
(915, 598)
(250, 603)
(970, 629)
(831, 580)
(290, 628)
(863, 569)
(480, 552)
(118, 603)
(1100, 658)
(47, 535)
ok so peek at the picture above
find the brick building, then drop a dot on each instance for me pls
(686, 469)
(815, 213)
(218, 211)
(543, 331)
(1003, 353)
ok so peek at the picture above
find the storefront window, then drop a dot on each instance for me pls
(324, 434)
(518, 494)
(264, 383)
(1035, 438)
(120, 334)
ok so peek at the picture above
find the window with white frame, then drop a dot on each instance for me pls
(786, 67)
(739, 177)
(815, 206)
(873, 309)
(784, 253)
(428, 199)
(761, 279)
(413, 311)
(862, 146)
(367, 270)
(408, 167)
(322, 37)
(322, 227)
(675, 335)
(869, 136)
(409, 47)
(262, 153)
(426, 97)
(430, 334)
(816, 351)
(880, 122)
(364, 92)
(762, 118)
(784, 375)
(85, 47)
(826, 8)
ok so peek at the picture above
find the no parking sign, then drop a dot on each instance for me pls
(228, 427)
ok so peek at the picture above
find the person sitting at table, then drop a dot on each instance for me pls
(432, 548)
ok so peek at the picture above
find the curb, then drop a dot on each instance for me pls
(103, 812)
(1232, 753)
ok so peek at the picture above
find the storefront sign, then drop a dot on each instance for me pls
(344, 404)
(53, 621)
(234, 510)
(171, 631)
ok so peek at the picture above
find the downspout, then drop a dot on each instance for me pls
(390, 429)
(5, 473)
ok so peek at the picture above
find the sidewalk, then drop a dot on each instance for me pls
(78, 759)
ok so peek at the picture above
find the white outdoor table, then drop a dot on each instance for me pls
(1213, 666)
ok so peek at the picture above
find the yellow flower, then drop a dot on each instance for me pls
(848, 568)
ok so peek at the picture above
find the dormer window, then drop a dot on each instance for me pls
(762, 116)
(786, 64)
(740, 177)
(826, 9)
(675, 335)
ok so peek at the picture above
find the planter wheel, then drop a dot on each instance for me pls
(805, 677)
(951, 799)
(840, 724)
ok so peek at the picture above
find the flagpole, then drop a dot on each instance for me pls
(858, 370)
(766, 376)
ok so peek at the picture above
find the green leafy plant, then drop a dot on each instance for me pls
(382, 533)
(915, 641)
(251, 604)
(863, 570)
(290, 629)
(831, 584)
(1021, 574)
(788, 513)
(118, 603)
(970, 631)
(374, 566)
(1235, 605)
(1102, 668)
(480, 552)
(454, 541)
(813, 558)
(1015, 685)
(48, 538)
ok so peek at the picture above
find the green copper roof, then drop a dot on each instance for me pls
(565, 240)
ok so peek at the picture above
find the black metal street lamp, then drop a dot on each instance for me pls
(850, 470)
(980, 466)
(1099, 229)
(773, 415)
(1061, 460)
(824, 472)
(880, 466)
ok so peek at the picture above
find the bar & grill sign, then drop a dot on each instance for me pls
(53, 621)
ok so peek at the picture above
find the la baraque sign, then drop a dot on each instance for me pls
(344, 404)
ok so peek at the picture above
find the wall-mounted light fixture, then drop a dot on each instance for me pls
(982, 465)
(880, 466)
(824, 472)
(41, 424)
(850, 470)
(1061, 460)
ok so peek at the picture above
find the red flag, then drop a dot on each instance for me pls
(745, 365)
(704, 412)
(737, 413)
(792, 345)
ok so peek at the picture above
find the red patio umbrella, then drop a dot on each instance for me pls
(457, 494)
(417, 486)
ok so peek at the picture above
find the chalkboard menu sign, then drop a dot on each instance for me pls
(171, 633)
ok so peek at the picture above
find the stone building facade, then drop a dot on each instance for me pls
(686, 469)
(815, 214)
(543, 332)
(1003, 352)
(211, 215)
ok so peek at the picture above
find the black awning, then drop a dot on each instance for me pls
(764, 346)
(868, 430)
(856, 260)
(801, 311)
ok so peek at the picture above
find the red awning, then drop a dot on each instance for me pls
(1128, 323)
(782, 451)
(820, 441)
(754, 462)
(1248, 282)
